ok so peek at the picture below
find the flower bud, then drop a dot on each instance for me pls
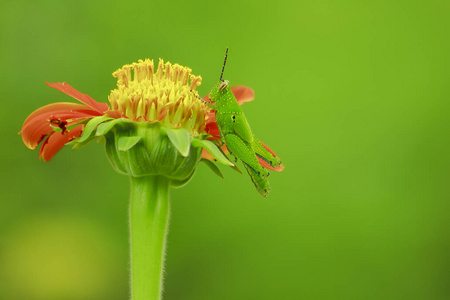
(141, 149)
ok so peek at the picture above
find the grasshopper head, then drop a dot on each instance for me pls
(220, 89)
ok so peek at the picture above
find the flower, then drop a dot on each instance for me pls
(161, 96)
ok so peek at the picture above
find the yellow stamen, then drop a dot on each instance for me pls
(164, 95)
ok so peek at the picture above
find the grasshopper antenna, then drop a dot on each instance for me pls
(205, 102)
(224, 62)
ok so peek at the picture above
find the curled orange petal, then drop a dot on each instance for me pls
(54, 107)
(38, 125)
(56, 141)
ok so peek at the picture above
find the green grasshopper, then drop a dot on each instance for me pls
(235, 132)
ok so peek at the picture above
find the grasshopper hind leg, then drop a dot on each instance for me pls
(244, 151)
(261, 184)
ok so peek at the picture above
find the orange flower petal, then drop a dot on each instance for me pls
(33, 135)
(54, 107)
(243, 94)
(210, 118)
(35, 129)
(208, 156)
(56, 141)
(69, 90)
(212, 129)
(206, 98)
(114, 114)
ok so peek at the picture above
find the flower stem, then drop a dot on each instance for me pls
(149, 216)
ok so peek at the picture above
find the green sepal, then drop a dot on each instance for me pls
(125, 143)
(180, 138)
(78, 145)
(90, 126)
(214, 150)
(113, 155)
(56, 128)
(104, 128)
(77, 124)
(212, 166)
(180, 183)
(236, 169)
(101, 140)
(204, 136)
(72, 142)
(75, 141)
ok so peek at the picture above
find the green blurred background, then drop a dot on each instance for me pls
(353, 95)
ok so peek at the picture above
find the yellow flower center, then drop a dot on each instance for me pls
(167, 95)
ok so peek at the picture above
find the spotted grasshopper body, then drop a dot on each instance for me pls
(235, 132)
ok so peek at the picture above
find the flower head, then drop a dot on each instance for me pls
(167, 95)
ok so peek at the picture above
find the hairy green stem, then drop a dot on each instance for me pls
(149, 216)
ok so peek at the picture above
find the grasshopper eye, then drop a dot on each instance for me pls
(223, 85)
